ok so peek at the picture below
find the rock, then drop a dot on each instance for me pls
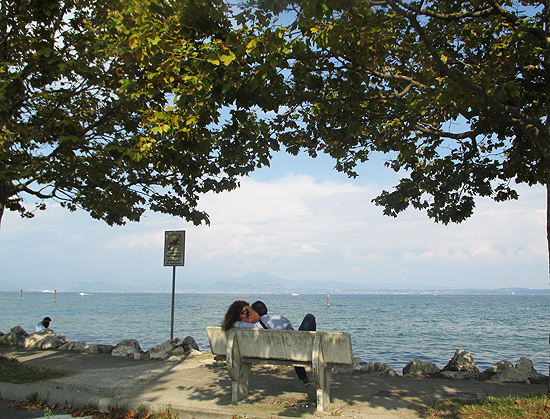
(386, 373)
(174, 348)
(379, 369)
(45, 339)
(510, 375)
(190, 343)
(130, 342)
(19, 331)
(158, 353)
(165, 350)
(125, 351)
(374, 367)
(73, 346)
(128, 348)
(460, 375)
(526, 368)
(15, 337)
(178, 351)
(495, 369)
(192, 353)
(523, 372)
(461, 361)
(419, 367)
(498, 367)
(98, 349)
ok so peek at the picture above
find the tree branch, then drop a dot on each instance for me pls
(535, 129)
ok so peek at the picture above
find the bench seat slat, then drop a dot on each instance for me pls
(284, 344)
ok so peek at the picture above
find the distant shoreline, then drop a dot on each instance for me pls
(434, 292)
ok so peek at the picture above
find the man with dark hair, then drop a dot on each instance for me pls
(278, 322)
(271, 322)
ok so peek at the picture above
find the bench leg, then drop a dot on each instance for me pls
(239, 371)
(239, 388)
(321, 374)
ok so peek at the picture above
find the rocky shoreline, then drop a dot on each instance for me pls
(463, 367)
(460, 367)
(171, 350)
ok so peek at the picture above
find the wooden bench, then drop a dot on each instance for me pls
(244, 347)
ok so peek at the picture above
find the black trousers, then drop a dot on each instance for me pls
(308, 324)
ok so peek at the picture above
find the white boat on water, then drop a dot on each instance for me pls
(295, 294)
(82, 294)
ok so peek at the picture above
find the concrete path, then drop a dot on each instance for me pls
(201, 388)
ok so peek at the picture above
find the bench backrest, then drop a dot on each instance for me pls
(288, 345)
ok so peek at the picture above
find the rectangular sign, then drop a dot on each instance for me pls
(174, 248)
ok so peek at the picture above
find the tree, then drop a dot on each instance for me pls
(455, 93)
(118, 106)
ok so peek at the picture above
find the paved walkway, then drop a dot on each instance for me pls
(201, 388)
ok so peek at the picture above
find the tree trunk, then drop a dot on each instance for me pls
(546, 151)
(548, 239)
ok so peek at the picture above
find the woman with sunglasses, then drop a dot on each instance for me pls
(241, 315)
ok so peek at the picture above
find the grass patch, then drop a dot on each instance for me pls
(33, 403)
(13, 371)
(529, 407)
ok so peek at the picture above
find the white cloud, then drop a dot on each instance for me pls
(308, 248)
(297, 228)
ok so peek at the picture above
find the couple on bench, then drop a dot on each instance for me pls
(241, 315)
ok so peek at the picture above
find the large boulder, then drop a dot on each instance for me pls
(164, 350)
(526, 368)
(128, 348)
(45, 339)
(190, 343)
(460, 375)
(461, 361)
(98, 349)
(510, 375)
(495, 369)
(175, 349)
(15, 337)
(73, 346)
(523, 372)
(419, 367)
(379, 369)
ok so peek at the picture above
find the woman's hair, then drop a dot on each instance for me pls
(233, 314)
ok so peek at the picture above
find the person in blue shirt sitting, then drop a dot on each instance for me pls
(43, 325)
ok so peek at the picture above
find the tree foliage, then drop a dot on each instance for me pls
(118, 106)
(455, 93)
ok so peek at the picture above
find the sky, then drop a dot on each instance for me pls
(299, 220)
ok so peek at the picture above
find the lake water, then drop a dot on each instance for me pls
(384, 328)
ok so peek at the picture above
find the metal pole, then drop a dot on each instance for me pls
(173, 300)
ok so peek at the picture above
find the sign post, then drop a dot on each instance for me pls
(174, 255)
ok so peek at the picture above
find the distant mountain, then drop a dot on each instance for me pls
(116, 288)
(264, 283)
